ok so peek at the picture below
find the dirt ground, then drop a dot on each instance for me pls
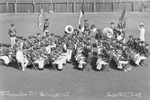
(71, 84)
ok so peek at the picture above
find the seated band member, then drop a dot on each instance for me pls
(146, 54)
(59, 61)
(146, 51)
(37, 59)
(137, 58)
(80, 58)
(21, 58)
(124, 59)
(3, 56)
(130, 42)
(101, 63)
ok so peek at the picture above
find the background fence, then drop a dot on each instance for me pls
(24, 6)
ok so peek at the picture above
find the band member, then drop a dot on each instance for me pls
(69, 50)
(3, 56)
(31, 41)
(86, 24)
(80, 58)
(39, 38)
(112, 26)
(124, 60)
(59, 62)
(37, 59)
(137, 58)
(142, 32)
(88, 53)
(130, 41)
(146, 51)
(26, 44)
(52, 40)
(106, 57)
(121, 25)
(115, 31)
(98, 36)
(141, 47)
(21, 58)
(101, 62)
(76, 33)
(41, 19)
(46, 27)
(12, 33)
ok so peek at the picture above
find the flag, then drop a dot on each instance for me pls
(81, 19)
(123, 16)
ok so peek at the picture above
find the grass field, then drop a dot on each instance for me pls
(71, 84)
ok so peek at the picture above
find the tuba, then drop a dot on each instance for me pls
(108, 33)
(69, 29)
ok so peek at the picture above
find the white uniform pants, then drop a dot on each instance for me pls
(24, 62)
(99, 64)
(5, 59)
(69, 54)
(59, 62)
(40, 63)
(120, 63)
(12, 40)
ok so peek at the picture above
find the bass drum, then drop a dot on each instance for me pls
(107, 33)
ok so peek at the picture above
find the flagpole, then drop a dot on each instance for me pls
(83, 10)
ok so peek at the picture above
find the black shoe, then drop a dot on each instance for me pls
(60, 69)
(41, 69)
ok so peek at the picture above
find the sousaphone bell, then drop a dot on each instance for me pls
(108, 33)
(69, 29)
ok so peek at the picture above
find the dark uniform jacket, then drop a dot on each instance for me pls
(98, 36)
(12, 32)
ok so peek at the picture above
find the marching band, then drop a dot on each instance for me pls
(39, 51)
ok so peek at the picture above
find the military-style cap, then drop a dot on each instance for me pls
(47, 34)
(146, 44)
(138, 39)
(142, 42)
(99, 30)
(130, 35)
(12, 24)
(16, 39)
(24, 39)
(52, 34)
(30, 37)
(86, 20)
(75, 30)
(38, 33)
(112, 23)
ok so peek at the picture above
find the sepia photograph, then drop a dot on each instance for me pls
(74, 49)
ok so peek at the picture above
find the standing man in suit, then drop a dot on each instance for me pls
(41, 19)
